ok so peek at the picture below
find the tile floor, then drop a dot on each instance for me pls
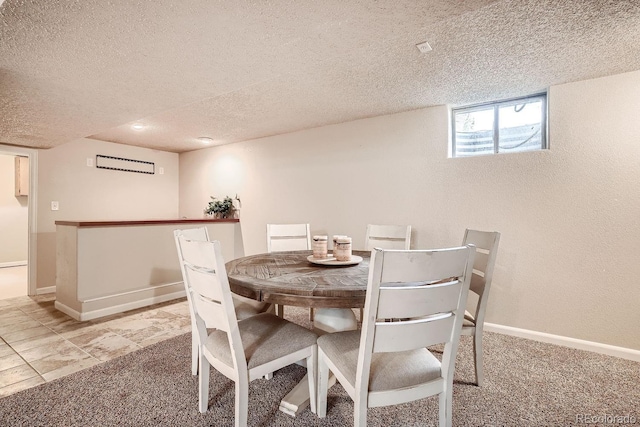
(13, 281)
(39, 343)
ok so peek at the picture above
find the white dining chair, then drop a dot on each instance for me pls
(288, 237)
(244, 307)
(486, 243)
(388, 363)
(241, 350)
(388, 237)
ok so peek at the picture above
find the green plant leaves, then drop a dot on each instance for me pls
(220, 208)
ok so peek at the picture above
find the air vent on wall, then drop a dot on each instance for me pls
(125, 165)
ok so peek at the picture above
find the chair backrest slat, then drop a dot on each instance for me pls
(418, 301)
(211, 312)
(480, 262)
(197, 255)
(423, 266)
(412, 334)
(288, 237)
(204, 282)
(288, 244)
(199, 233)
(481, 239)
(388, 237)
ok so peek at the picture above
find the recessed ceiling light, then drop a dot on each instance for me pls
(205, 139)
(137, 126)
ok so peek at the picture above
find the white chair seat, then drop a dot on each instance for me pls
(467, 323)
(245, 307)
(265, 337)
(469, 319)
(388, 370)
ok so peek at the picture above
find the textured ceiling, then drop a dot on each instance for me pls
(235, 70)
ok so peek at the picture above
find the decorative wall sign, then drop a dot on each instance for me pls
(126, 165)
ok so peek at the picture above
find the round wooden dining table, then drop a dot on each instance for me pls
(289, 278)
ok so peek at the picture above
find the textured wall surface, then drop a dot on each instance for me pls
(87, 193)
(568, 216)
(14, 214)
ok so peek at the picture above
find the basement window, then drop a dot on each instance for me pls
(509, 126)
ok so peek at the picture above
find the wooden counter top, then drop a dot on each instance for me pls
(144, 222)
(108, 267)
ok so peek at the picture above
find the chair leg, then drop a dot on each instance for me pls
(194, 354)
(242, 402)
(268, 376)
(280, 310)
(360, 410)
(312, 377)
(445, 406)
(477, 355)
(442, 411)
(311, 314)
(203, 385)
(323, 384)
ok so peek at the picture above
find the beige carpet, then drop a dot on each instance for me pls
(527, 384)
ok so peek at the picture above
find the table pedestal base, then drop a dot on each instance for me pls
(325, 320)
(298, 398)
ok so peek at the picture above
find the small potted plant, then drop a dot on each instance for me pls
(221, 208)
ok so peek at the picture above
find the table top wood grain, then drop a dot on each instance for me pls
(288, 278)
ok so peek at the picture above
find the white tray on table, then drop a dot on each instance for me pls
(331, 260)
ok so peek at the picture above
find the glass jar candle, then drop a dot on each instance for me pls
(342, 248)
(319, 247)
(335, 241)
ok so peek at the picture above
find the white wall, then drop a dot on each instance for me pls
(14, 215)
(567, 263)
(88, 193)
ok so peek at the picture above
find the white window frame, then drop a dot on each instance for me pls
(496, 105)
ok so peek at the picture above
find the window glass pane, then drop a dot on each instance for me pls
(520, 127)
(474, 132)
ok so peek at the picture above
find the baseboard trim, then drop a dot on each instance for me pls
(610, 350)
(134, 292)
(47, 290)
(67, 310)
(13, 264)
(96, 314)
